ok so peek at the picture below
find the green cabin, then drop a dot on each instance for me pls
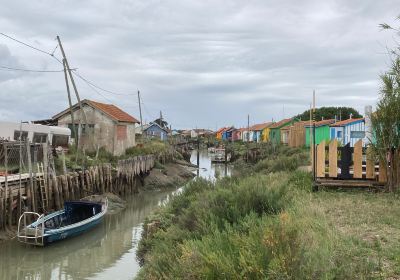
(322, 131)
(275, 130)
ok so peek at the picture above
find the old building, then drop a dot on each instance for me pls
(322, 132)
(154, 131)
(349, 131)
(275, 130)
(107, 126)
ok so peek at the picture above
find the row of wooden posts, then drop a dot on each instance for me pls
(348, 163)
(124, 179)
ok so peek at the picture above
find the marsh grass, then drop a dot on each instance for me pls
(269, 225)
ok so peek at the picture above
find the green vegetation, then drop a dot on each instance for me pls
(76, 160)
(149, 147)
(330, 113)
(386, 120)
(268, 225)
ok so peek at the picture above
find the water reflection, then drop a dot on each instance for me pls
(106, 252)
(208, 169)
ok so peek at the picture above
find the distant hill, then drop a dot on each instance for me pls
(330, 113)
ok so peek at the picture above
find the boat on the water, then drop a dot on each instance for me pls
(220, 155)
(76, 218)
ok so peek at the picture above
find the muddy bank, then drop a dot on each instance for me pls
(168, 175)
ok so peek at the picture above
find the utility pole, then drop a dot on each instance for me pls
(70, 103)
(248, 128)
(73, 84)
(314, 144)
(140, 110)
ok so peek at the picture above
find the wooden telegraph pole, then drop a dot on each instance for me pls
(140, 110)
(70, 102)
(83, 114)
(314, 144)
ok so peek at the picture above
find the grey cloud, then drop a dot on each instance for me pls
(203, 63)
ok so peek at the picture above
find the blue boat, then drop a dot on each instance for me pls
(76, 218)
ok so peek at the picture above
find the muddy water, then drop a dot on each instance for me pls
(210, 170)
(106, 252)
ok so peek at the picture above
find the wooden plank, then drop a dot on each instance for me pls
(370, 169)
(333, 155)
(321, 159)
(382, 172)
(357, 160)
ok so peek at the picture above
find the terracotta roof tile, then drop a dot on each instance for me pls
(346, 122)
(260, 126)
(280, 123)
(113, 111)
(321, 123)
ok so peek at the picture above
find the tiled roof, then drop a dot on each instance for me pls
(110, 110)
(113, 111)
(346, 122)
(260, 126)
(280, 123)
(321, 123)
(222, 129)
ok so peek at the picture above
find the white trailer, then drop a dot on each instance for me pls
(36, 133)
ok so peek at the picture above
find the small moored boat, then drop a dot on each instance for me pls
(76, 218)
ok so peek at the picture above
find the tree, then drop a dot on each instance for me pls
(161, 123)
(386, 121)
(330, 113)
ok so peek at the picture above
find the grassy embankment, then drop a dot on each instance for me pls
(266, 224)
(75, 160)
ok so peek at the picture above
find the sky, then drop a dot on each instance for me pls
(204, 64)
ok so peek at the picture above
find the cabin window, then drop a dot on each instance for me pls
(60, 140)
(39, 137)
(121, 132)
(24, 135)
(339, 134)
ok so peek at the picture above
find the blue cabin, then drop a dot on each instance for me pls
(227, 134)
(349, 131)
(154, 130)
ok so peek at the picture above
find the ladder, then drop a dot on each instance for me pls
(42, 186)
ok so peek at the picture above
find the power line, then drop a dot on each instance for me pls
(25, 44)
(92, 85)
(6, 68)
(100, 88)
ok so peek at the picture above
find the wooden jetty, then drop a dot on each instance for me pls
(45, 192)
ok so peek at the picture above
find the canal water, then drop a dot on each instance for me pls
(106, 252)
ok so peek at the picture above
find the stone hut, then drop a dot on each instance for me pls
(107, 126)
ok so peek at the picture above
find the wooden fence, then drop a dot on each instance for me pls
(348, 166)
(297, 135)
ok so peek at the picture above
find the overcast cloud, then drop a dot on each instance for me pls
(203, 63)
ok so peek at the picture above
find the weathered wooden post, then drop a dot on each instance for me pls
(357, 160)
(345, 162)
(333, 159)
(321, 159)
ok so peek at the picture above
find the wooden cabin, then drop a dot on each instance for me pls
(257, 130)
(275, 130)
(349, 131)
(322, 131)
(297, 134)
(219, 133)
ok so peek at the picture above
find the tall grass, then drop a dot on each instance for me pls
(260, 227)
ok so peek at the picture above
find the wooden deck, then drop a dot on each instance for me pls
(358, 183)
